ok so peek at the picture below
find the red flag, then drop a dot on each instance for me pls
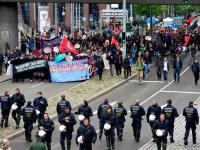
(188, 21)
(114, 41)
(187, 39)
(66, 45)
(116, 29)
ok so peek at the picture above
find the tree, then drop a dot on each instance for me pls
(142, 9)
(184, 9)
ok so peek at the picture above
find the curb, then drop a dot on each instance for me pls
(5, 80)
(53, 117)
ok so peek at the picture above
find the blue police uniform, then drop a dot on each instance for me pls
(61, 105)
(5, 109)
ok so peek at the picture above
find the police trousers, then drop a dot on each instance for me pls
(28, 126)
(16, 114)
(5, 116)
(136, 129)
(110, 140)
(85, 146)
(188, 126)
(68, 137)
(161, 142)
(47, 140)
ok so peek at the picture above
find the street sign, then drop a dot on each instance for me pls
(117, 13)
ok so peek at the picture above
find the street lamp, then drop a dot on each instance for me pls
(63, 12)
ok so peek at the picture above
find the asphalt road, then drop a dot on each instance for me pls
(181, 93)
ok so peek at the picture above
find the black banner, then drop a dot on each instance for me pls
(51, 42)
(30, 68)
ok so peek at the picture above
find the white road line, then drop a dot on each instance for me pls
(182, 92)
(163, 88)
(146, 81)
(37, 85)
(112, 104)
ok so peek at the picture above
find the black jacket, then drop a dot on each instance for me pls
(5, 102)
(191, 114)
(111, 119)
(29, 114)
(102, 110)
(61, 105)
(19, 99)
(155, 110)
(86, 111)
(89, 134)
(70, 117)
(40, 103)
(47, 124)
(180, 64)
(170, 113)
(120, 113)
(137, 112)
(162, 125)
(195, 68)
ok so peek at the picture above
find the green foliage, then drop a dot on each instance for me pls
(183, 9)
(144, 10)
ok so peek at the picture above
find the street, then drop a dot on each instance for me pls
(180, 93)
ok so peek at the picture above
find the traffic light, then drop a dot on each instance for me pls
(186, 2)
(123, 37)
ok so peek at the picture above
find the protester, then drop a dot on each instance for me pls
(159, 65)
(147, 62)
(118, 60)
(100, 66)
(165, 69)
(110, 58)
(126, 65)
(29, 117)
(88, 134)
(139, 68)
(5, 102)
(19, 100)
(137, 112)
(38, 145)
(196, 69)
(177, 66)
(192, 120)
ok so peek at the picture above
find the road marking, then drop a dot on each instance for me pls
(163, 88)
(145, 81)
(37, 85)
(112, 104)
(182, 92)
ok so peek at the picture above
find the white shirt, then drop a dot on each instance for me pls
(165, 66)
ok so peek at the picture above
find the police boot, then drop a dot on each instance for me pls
(49, 146)
(1, 124)
(68, 145)
(158, 147)
(100, 135)
(171, 140)
(108, 141)
(63, 146)
(120, 134)
(6, 122)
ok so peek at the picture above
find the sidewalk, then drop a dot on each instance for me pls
(179, 135)
(87, 90)
(4, 77)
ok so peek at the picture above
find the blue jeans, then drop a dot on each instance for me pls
(165, 74)
(177, 74)
(147, 68)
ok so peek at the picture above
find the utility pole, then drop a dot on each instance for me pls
(150, 12)
(124, 29)
(79, 17)
(72, 19)
(56, 18)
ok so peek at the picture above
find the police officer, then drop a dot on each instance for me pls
(154, 110)
(120, 113)
(161, 138)
(40, 103)
(47, 125)
(29, 117)
(170, 113)
(101, 112)
(85, 110)
(88, 133)
(110, 119)
(5, 102)
(19, 99)
(137, 112)
(192, 119)
(62, 104)
(67, 119)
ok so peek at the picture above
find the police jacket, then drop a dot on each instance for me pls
(48, 125)
(89, 134)
(29, 114)
(102, 110)
(19, 99)
(86, 111)
(111, 119)
(61, 105)
(162, 125)
(63, 117)
(120, 113)
(170, 113)
(191, 114)
(137, 112)
(5, 102)
(154, 110)
(40, 103)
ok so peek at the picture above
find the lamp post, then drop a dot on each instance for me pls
(63, 14)
(124, 29)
